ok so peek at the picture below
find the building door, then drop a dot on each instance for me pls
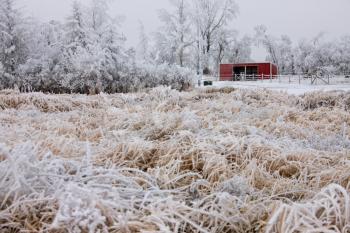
(238, 73)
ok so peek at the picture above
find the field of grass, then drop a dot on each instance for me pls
(210, 160)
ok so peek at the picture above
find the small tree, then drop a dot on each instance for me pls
(76, 28)
(13, 45)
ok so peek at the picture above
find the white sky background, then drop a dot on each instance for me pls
(296, 18)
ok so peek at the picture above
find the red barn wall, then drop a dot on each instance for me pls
(274, 70)
(226, 70)
(264, 69)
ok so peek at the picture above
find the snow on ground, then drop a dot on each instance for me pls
(291, 84)
(293, 89)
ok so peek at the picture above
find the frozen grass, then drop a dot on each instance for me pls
(211, 160)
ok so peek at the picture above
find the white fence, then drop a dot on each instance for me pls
(292, 79)
(312, 79)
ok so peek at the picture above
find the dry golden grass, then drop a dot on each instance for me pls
(211, 160)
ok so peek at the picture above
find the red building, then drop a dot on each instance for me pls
(235, 72)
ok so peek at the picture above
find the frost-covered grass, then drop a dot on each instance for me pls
(211, 160)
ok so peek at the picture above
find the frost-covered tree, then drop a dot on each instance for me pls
(104, 30)
(113, 44)
(341, 56)
(105, 36)
(76, 28)
(303, 58)
(223, 44)
(279, 50)
(164, 50)
(45, 47)
(94, 49)
(211, 16)
(13, 44)
(176, 32)
(240, 50)
(76, 62)
(98, 16)
(315, 54)
(285, 55)
(230, 48)
(267, 41)
(143, 46)
(85, 54)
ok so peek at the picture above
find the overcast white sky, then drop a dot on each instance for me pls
(296, 18)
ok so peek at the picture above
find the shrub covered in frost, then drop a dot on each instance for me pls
(92, 80)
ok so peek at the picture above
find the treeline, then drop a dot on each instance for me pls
(198, 34)
(307, 56)
(87, 53)
(84, 54)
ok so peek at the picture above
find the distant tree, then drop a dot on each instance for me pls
(269, 42)
(13, 35)
(85, 54)
(280, 50)
(285, 55)
(143, 46)
(163, 49)
(176, 32)
(76, 28)
(93, 48)
(233, 49)
(211, 16)
(104, 34)
(104, 30)
(341, 56)
(223, 43)
(98, 16)
(315, 54)
(240, 50)
(228, 47)
(45, 47)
